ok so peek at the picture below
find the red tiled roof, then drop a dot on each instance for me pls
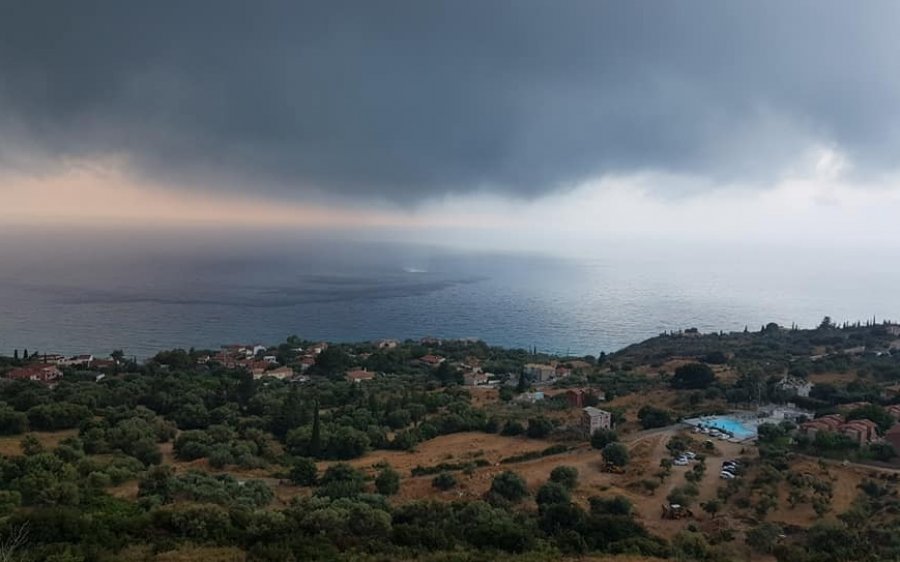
(360, 375)
(36, 371)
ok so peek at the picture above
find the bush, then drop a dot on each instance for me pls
(603, 437)
(651, 416)
(444, 481)
(11, 421)
(565, 475)
(509, 486)
(617, 505)
(388, 481)
(512, 428)
(764, 537)
(58, 415)
(539, 427)
(615, 454)
(693, 376)
(341, 481)
(552, 493)
(682, 495)
(304, 472)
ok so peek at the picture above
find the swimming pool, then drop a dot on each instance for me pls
(735, 425)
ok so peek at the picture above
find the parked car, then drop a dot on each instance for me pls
(689, 455)
(680, 461)
(725, 475)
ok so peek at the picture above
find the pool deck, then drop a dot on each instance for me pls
(747, 420)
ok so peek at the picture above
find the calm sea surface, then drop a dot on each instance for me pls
(95, 296)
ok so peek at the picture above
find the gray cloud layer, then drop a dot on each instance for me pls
(408, 99)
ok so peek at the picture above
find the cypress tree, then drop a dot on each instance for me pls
(315, 442)
(523, 384)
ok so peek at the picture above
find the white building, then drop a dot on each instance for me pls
(593, 419)
(795, 386)
(538, 372)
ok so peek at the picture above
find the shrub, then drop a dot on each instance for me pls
(509, 486)
(603, 437)
(693, 376)
(512, 428)
(565, 475)
(444, 481)
(341, 481)
(539, 427)
(651, 416)
(616, 505)
(552, 493)
(304, 472)
(388, 481)
(615, 454)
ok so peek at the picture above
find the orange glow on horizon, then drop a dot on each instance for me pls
(103, 195)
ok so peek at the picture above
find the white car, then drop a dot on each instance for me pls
(725, 475)
(680, 461)
(689, 455)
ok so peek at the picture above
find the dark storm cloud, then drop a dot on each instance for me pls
(406, 100)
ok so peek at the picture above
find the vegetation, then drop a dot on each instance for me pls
(103, 485)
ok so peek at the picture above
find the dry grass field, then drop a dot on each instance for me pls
(10, 445)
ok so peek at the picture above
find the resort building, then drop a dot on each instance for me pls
(860, 431)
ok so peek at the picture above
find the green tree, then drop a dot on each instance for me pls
(875, 413)
(565, 475)
(616, 505)
(31, 446)
(512, 428)
(615, 454)
(315, 441)
(341, 481)
(509, 486)
(522, 385)
(11, 421)
(764, 537)
(331, 362)
(444, 481)
(693, 376)
(304, 472)
(552, 493)
(712, 507)
(388, 481)
(603, 437)
(651, 417)
(539, 427)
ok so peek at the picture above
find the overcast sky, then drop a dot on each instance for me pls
(507, 123)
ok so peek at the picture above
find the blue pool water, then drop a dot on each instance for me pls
(736, 427)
